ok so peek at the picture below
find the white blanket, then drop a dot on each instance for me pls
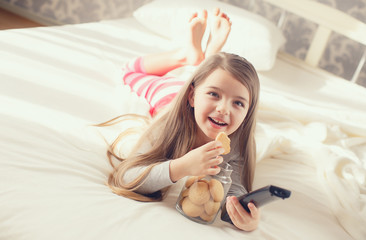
(58, 81)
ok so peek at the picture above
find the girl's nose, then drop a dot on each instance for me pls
(222, 108)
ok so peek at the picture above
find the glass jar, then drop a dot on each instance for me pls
(202, 197)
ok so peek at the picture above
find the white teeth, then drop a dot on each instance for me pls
(218, 122)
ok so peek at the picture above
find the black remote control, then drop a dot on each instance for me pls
(259, 197)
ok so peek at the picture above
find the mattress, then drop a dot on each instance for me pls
(57, 82)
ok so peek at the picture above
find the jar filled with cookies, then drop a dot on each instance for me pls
(202, 197)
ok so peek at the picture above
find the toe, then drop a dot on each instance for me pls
(216, 11)
(204, 14)
(194, 15)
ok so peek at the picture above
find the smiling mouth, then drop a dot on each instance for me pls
(221, 124)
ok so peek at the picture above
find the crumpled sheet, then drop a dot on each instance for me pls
(335, 143)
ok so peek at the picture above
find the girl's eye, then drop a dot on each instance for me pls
(213, 94)
(238, 103)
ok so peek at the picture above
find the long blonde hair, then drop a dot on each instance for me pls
(173, 133)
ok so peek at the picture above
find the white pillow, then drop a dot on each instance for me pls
(252, 36)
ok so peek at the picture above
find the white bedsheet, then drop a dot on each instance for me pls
(57, 81)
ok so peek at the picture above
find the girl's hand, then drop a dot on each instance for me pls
(241, 218)
(200, 161)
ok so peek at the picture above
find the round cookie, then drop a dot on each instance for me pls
(185, 192)
(199, 193)
(208, 218)
(212, 207)
(225, 140)
(203, 180)
(216, 190)
(191, 209)
(192, 179)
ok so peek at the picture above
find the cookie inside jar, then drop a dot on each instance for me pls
(201, 198)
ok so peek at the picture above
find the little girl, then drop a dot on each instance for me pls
(221, 96)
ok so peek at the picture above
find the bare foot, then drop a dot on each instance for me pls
(197, 27)
(219, 32)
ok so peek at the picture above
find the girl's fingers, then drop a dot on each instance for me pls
(215, 161)
(213, 171)
(217, 150)
(234, 215)
(242, 213)
(253, 211)
(241, 218)
(209, 155)
(212, 149)
(212, 168)
(210, 146)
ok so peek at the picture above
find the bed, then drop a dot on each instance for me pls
(57, 82)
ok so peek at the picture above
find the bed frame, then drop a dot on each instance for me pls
(329, 20)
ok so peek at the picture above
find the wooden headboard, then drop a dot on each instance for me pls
(329, 20)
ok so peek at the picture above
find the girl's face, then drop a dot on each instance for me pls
(220, 104)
